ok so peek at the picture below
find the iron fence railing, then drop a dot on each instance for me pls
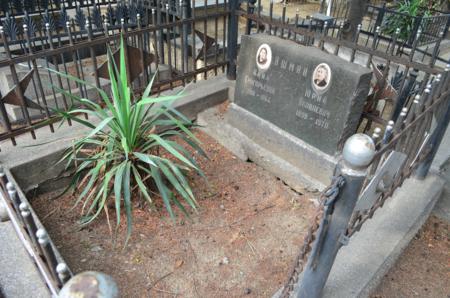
(406, 112)
(36, 7)
(389, 19)
(33, 235)
(178, 42)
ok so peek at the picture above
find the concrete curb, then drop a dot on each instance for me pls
(18, 275)
(31, 161)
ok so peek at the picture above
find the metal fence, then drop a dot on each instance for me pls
(389, 19)
(406, 113)
(20, 7)
(179, 41)
(33, 235)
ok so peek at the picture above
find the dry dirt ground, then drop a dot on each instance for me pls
(241, 243)
(423, 270)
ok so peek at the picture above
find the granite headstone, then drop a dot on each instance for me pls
(315, 96)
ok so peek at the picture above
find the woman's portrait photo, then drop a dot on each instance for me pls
(263, 56)
(321, 77)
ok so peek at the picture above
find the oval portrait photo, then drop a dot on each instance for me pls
(263, 56)
(321, 77)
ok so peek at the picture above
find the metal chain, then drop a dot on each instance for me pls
(327, 197)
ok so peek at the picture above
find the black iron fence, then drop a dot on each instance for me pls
(406, 113)
(175, 40)
(430, 25)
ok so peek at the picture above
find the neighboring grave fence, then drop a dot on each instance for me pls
(406, 113)
(37, 7)
(171, 39)
(389, 19)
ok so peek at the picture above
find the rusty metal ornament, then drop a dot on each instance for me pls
(136, 66)
(383, 88)
(382, 180)
(207, 43)
(13, 98)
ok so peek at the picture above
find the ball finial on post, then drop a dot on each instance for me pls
(3, 212)
(90, 284)
(358, 151)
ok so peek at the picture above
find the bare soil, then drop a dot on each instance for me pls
(423, 270)
(241, 243)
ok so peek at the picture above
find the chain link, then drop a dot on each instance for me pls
(327, 197)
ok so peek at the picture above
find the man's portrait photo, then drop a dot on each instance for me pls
(263, 56)
(321, 77)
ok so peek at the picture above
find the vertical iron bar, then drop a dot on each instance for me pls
(155, 43)
(174, 28)
(184, 38)
(36, 74)
(141, 41)
(216, 44)
(224, 37)
(169, 47)
(205, 32)
(193, 47)
(48, 252)
(160, 32)
(92, 52)
(232, 39)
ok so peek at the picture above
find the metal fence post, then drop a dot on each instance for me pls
(48, 252)
(358, 152)
(250, 10)
(439, 132)
(12, 192)
(63, 272)
(232, 39)
(3, 212)
(413, 35)
(184, 16)
(404, 93)
(380, 16)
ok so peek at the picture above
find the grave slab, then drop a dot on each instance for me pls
(314, 99)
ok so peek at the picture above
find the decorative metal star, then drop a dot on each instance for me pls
(207, 43)
(383, 88)
(136, 67)
(13, 98)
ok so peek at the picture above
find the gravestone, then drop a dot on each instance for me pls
(298, 102)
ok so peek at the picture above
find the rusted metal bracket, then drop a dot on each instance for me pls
(382, 180)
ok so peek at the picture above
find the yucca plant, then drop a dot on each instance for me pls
(119, 158)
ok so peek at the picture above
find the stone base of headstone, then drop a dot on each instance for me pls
(232, 131)
(315, 166)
